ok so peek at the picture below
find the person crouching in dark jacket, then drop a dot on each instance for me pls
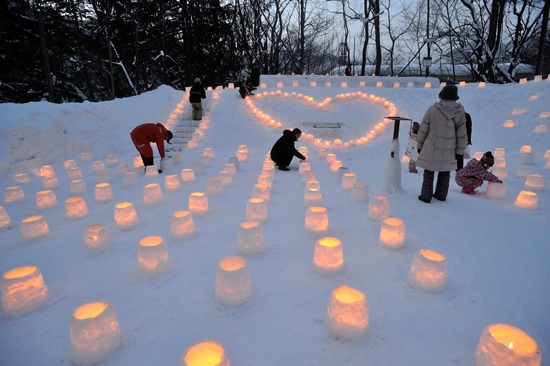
(246, 89)
(283, 151)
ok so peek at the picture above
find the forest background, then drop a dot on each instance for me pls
(96, 50)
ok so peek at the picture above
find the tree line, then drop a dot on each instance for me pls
(95, 50)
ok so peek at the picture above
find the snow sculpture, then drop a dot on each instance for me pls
(316, 222)
(182, 225)
(187, 175)
(94, 332)
(97, 238)
(348, 180)
(328, 257)
(152, 194)
(379, 208)
(527, 200)
(359, 192)
(496, 190)
(261, 191)
(428, 271)
(214, 187)
(23, 291)
(506, 345)
(153, 255)
(75, 208)
(233, 285)
(77, 186)
(392, 233)
(250, 238)
(172, 183)
(206, 353)
(198, 203)
(46, 199)
(313, 197)
(256, 209)
(103, 192)
(347, 313)
(125, 215)
(534, 182)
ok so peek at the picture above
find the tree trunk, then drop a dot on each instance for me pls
(47, 72)
(543, 36)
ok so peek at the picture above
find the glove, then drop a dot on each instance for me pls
(469, 142)
(459, 157)
(499, 181)
(419, 150)
(160, 171)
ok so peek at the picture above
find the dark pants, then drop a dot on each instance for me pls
(283, 160)
(147, 161)
(441, 188)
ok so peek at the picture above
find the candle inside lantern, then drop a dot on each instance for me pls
(347, 313)
(94, 333)
(182, 225)
(233, 285)
(214, 187)
(525, 149)
(241, 155)
(348, 180)
(313, 197)
(97, 238)
(45, 199)
(125, 215)
(152, 194)
(527, 200)
(198, 203)
(496, 190)
(98, 166)
(172, 182)
(392, 233)
(103, 192)
(316, 221)
(359, 192)
(50, 182)
(261, 191)
(207, 353)
(187, 175)
(34, 227)
(379, 208)
(428, 271)
(74, 173)
(256, 209)
(138, 163)
(328, 257)
(250, 238)
(5, 220)
(153, 255)
(534, 182)
(23, 291)
(22, 178)
(46, 170)
(75, 208)
(506, 345)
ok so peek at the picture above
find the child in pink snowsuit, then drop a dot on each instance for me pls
(475, 172)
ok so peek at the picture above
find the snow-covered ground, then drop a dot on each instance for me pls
(498, 254)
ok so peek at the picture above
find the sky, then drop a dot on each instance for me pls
(497, 253)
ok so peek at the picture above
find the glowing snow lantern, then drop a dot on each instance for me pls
(500, 162)
(250, 238)
(462, 83)
(335, 165)
(268, 164)
(187, 175)
(138, 162)
(45, 199)
(279, 84)
(95, 333)
(313, 197)
(308, 176)
(379, 84)
(348, 180)
(23, 291)
(312, 184)
(13, 194)
(205, 160)
(481, 84)
(198, 203)
(359, 192)
(328, 257)
(322, 154)
(330, 158)
(150, 171)
(523, 81)
(261, 191)
(525, 149)
(379, 208)
(534, 182)
(214, 187)
(233, 285)
(152, 194)
(5, 221)
(540, 129)
(256, 210)
(235, 161)
(50, 182)
(153, 255)
(86, 156)
(428, 271)
(303, 167)
(98, 166)
(524, 171)
(75, 208)
(207, 353)
(266, 179)
(231, 168)
(172, 182)
(528, 159)
(392, 233)
(34, 227)
(129, 179)
(527, 200)
(496, 190)
(121, 169)
(69, 164)
(347, 313)
(46, 170)
(182, 225)
(225, 178)
(74, 173)
(103, 192)
(125, 215)
(295, 83)
(316, 221)
(77, 186)
(112, 160)
(427, 84)
(506, 345)
(270, 172)
(97, 238)
(241, 155)
(22, 178)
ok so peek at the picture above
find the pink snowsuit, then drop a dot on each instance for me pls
(473, 175)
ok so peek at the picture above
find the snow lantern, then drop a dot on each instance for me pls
(303, 167)
(125, 215)
(256, 209)
(94, 333)
(481, 84)
(121, 169)
(130, 179)
(205, 160)
(501, 173)
(509, 124)
(69, 164)
(427, 84)
(206, 353)
(152, 194)
(5, 221)
(214, 187)
(547, 165)
(250, 238)
(379, 84)
(74, 173)
(150, 171)
(268, 164)
(75, 208)
(478, 155)
(303, 150)
(335, 165)
(241, 155)
(182, 225)
(308, 176)
(347, 313)
(261, 191)
(322, 154)
(316, 222)
(225, 178)
(103, 192)
(50, 182)
(348, 180)
(233, 285)
(534, 182)
(328, 257)
(500, 163)
(172, 182)
(524, 171)
(34, 227)
(77, 186)
(243, 148)
(540, 129)
(22, 178)
(527, 200)
(46, 170)
(187, 175)
(198, 203)
(341, 171)
(153, 255)
(330, 158)
(112, 160)
(528, 158)
(46, 199)
(102, 177)
(270, 172)
(359, 192)
(86, 156)
(235, 161)
(97, 238)
(294, 82)
(379, 208)
(525, 149)
(138, 163)
(98, 166)
(392, 233)
(496, 190)
(500, 152)
(231, 168)
(313, 197)
(176, 158)
(428, 271)
(23, 291)
(506, 345)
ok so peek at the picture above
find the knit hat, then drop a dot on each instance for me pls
(449, 92)
(488, 159)
(169, 136)
(197, 80)
(415, 127)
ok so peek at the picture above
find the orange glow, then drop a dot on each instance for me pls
(544, 114)
(19, 272)
(379, 208)
(256, 209)
(328, 256)
(225, 178)
(172, 182)
(187, 175)
(518, 111)
(316, 220)
(232, 264)
(151, 241)
(428, 271)
(525, 149)
(392, 232)
(534, 182)
(97, 237)
(23, 290)
(249, 224)
(513, 338)
(91, 310)
(335, 165)
(153, 255)
(75, 208)
(125, 215)
(198, 203)
(34, 227)
(261, 191)
(13, 194)
(182, 224)
(205, 354)
(427, 84)
(233, 285)
(348, 180)
(347, 313)
(103, 192)
(330, 158)
(250, 238)
(527, 200)
(22, 178)
(509, 124)
(431, 255)
(152, 194)
(45, 199)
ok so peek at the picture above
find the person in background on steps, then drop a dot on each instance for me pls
(413, 135)
(441, 142)
(475, 172)
(283, 151)
(144, 134)
(255, 76)
(196, 94)
(460, 162)
(347, 71)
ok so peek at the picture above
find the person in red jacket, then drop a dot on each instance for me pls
(146, 133)
(475, 172)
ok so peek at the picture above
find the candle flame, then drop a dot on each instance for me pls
(511, 345)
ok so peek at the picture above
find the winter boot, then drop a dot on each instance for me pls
(412, 168)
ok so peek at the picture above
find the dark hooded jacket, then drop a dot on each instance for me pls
(197, 93)
(283, 150)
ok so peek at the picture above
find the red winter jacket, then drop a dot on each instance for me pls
(473, 175)
(146, 133)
